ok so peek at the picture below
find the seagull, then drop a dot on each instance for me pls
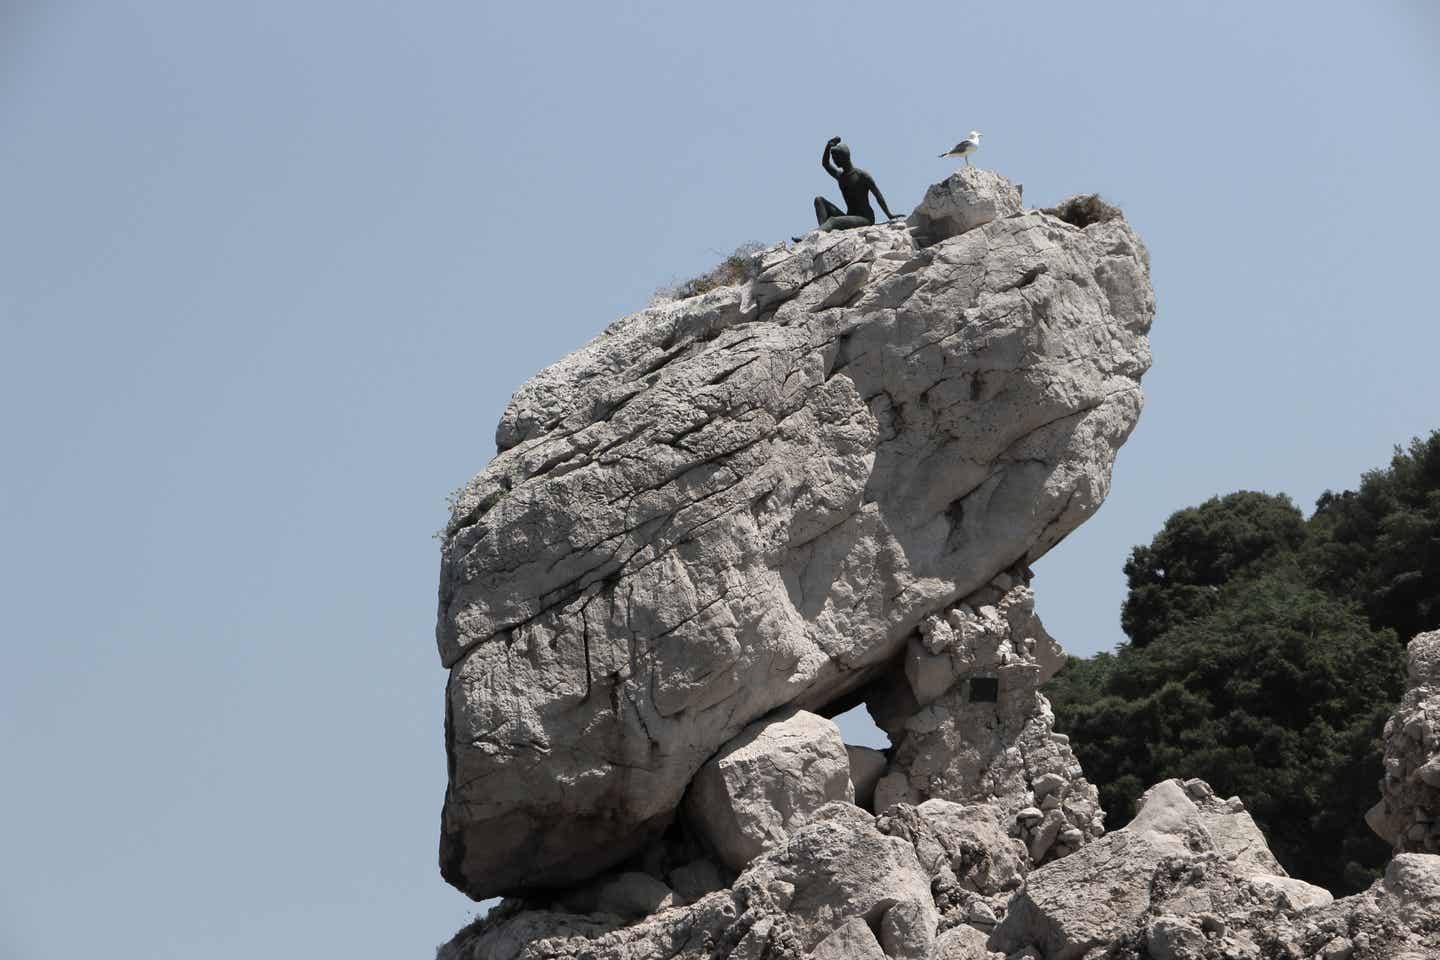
(965, 147)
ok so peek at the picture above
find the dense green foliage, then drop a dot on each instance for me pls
(1380, 545)
(1177, 577)
(1265, 654)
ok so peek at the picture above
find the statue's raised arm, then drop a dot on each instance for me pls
(830, 168)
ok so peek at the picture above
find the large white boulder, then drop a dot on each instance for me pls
(968, 198)
(748, 500)
(766, 782)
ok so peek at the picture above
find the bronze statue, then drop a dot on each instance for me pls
(855, 186)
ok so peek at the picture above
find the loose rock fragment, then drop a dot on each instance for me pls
(765, 783)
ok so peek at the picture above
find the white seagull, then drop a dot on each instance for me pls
(965, 147)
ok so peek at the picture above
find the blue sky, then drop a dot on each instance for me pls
(269, 272)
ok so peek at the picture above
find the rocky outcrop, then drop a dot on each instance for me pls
(1408, 814)
(937, 881)
(971, 198)
(767, 498)
(1179, 861)
(1191, 878)
(730, 515)
(965, 713)
(801, 898)
(765, 783)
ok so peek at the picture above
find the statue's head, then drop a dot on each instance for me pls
(841, 156)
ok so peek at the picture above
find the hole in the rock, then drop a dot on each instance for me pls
(984, 689)
(859, 730)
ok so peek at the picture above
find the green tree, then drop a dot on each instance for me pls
(1177, 577)
(1274, 696)
(1380, 545)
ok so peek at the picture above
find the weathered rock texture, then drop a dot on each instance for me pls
(972, 197)
(753, 499)
(965, 713)
(819, 488)
(1180, 882)
(1408, 814)
(867, 766)
(1191, 878)
(765, 783)
(1181, 857)
(801, 896)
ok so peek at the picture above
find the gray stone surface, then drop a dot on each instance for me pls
(1291, 894)
(956, 740)
(1180, 881)
(968, 198)
(1238, 837)
(867, 765)
(695, 879)
(963, 943)
(1406, 815)
(820, 879)
(1398, 918)
(958, 845)
(1155, 881)
(1174, 883)
(766, 782)
(751, 499)
(1166, 814)
(989, 839)
(1414, 880)
(1174, 938)
(852, 940)
(628, 895)
(1088, 899)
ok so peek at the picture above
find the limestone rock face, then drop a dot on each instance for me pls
(968, 198)
(970, 724)
(960, 843)
(730, 515)
(801, 898)
(1410, 791)
(766, 782)
(1163, 880)
(752, 500)
(852, 940)
(627, 895)
(939, 882)
(866, 767)
(1398, 918)
(1061, 910)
